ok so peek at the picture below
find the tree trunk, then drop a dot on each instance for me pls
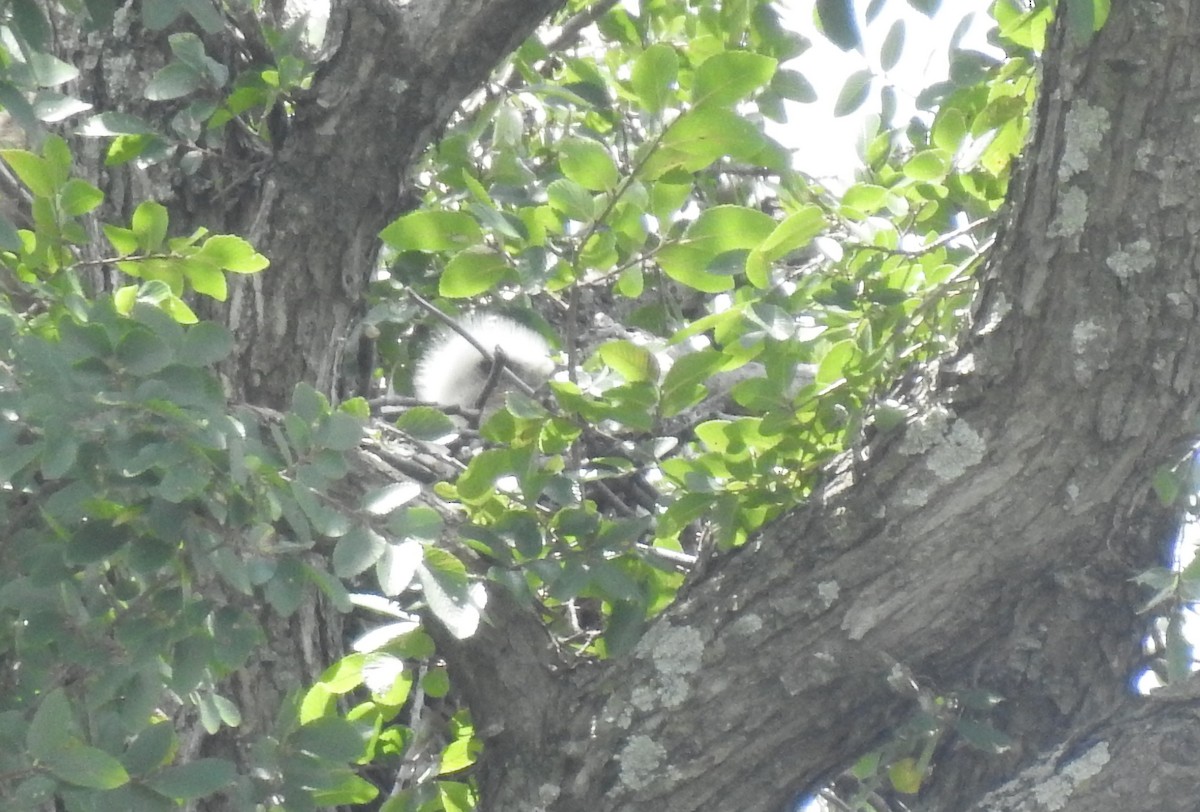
(989, 545)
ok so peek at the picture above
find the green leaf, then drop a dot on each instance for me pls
(508, 126)
(204, 344)
(360, 548)
(587, 163)
(79, 197)
(152, 747)
(397, 566)
(286, 589)
(792, 85)
(731, 76)
(204, 13)
(893, 46)
(455, 796)
(344, 675)
(436, 682)
(855, 91)
(87, 767)
(449, 595)
(570, 198)
(681, 386)
(458, 755)
(625, 626)
(189, 49)
(716, 231)
(125, 148)
(58, 157)
(232, 253)
(30, 23)
(927, 7)
(484, 470)
(143, 353)
(836, 19)
(196, 779)
(52, 726)
(205, 278)
(59, 455)
(833, 364)
(865, 198)
(929, 165)
(632, 362)
(112, 123)
(173, 81)
(49, 71)
(427, 424)
(983, 737)
(53, 107)
(653, 74)
(949, 130)
(471, 273)
(308, 404)
(432, 231)
(158, 14)
(795, 231)
(339, 432)
(32, 170)
(150, 225)
(330, 738)
(701, 136)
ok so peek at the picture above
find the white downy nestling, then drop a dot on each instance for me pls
(453, 373)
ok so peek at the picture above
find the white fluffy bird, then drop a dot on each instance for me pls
(454, 373)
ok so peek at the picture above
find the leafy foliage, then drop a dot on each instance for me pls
(756, 318)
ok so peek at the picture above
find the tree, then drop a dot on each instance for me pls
(684, 576)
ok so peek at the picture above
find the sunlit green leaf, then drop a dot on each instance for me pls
(472, 272)
(634, 363)
(572, 199)
(654, 73)
(432, 231)
(730, 76)
(587, 163)
(32, 170)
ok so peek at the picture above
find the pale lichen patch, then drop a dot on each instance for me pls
(1131, 260)
(1072, 214)
(1084, 130)
(676, 652)
(746, 625)
(1054, 792)
(962, 449)
(926, 430)
(1090, 352)
(641, 761)
(828, 591)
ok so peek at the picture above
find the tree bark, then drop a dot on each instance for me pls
(989, 545)
(398, 73)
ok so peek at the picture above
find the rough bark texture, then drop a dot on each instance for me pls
(988, 545)
(314, 205)
(398, 72)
